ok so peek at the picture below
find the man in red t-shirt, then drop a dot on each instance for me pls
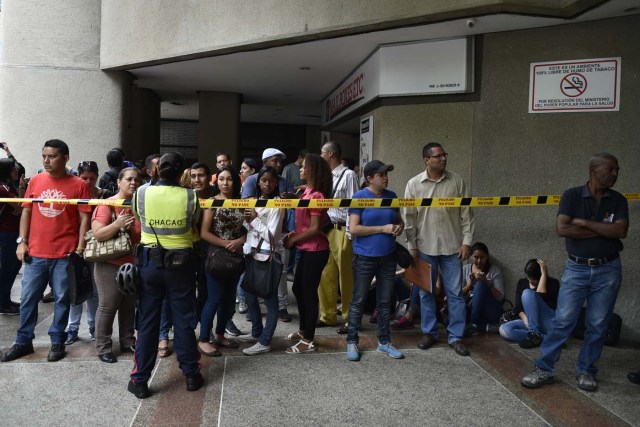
(48, 232)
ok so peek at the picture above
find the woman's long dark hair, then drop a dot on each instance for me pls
(6, 166)
(274, 173)
(479, 246)
(235, 178)
(318, 174)
(170, 167)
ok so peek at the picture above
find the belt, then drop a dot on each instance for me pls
(338, 225)
(593, 262)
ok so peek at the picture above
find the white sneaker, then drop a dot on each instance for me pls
(246, 338)
(257, 348)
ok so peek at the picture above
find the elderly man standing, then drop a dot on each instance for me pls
(442, 237)
(339, 269)
(592, 218)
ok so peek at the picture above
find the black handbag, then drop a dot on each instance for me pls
(263, 271)
(223, 262)
(79, 277)
(405, 260)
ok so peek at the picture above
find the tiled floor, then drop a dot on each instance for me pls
(433, 387)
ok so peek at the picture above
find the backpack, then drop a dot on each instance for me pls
(112, 184)
(613, 332)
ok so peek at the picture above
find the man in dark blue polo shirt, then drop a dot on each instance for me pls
(592, 218)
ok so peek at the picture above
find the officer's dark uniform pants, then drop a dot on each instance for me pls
(178, 286)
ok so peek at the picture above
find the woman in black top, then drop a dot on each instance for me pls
(536, 300)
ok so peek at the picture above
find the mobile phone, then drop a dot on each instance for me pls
(27, 258)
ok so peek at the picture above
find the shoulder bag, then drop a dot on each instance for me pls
(224, 263)
(114, 248)
(263, 271)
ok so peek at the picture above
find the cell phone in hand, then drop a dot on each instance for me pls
(27, 258)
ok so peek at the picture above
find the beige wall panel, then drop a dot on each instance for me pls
(517, 153)
(400, 132)
(83, 108)
(60, 33)
(147, 30)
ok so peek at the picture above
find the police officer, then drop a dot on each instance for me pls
(168, 214)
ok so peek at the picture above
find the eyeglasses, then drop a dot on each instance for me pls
(438, 156)
(87, 164)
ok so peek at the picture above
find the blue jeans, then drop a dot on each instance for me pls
(451, 268)
(264, 334)
(239, 290)
(485, 308)
(599, 286)
(221, 299)
(75, 312)
(165, 320)
(365, 268)
(9, 266)
(539, 316)
(37, 274)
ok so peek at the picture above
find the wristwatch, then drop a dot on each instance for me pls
(21, 240)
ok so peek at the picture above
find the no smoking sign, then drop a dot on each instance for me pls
(573, 86)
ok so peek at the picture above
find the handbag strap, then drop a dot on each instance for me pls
(271, 244)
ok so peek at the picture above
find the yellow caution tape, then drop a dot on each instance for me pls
(436, 202)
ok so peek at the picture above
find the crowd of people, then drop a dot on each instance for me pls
(332, 256)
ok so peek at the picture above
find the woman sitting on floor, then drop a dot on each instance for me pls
(536, 300)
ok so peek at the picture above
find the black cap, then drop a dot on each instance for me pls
(376, 166)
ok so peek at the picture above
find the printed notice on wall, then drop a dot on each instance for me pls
(581, 85)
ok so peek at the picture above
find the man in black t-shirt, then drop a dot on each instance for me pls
(592, 218)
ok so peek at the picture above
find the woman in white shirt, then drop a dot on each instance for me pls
(263, 224)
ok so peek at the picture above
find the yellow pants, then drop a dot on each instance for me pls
(338, 272)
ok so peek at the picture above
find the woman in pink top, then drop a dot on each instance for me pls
(314, 251)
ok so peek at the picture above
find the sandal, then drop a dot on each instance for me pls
(294, 336)
(295, 350)
(164, 352)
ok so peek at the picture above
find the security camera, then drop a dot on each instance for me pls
(471, 23)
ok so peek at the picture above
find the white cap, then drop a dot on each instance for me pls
(270, 152)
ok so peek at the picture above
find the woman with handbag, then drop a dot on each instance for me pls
(374, 255)
(263, 240)
(223, 230)
(313, 248)
(109, 223)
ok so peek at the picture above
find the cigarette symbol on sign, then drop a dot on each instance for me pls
(573, 85)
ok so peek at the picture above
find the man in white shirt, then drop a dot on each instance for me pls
(338, 271)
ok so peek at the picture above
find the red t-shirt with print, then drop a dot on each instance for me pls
(54, 228)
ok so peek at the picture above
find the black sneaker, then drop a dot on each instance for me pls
(72, 336)
(284, 316)
(493, 328)
(17, 351)
(92, 332)
(342, 330)
(426, 342)
(471, 330)
(48, 297)
(460, 348)
(139, 390)
(232, 329)
(56, 353)
(194, 382)
(536, 378)
(532, 340)
(10, 310)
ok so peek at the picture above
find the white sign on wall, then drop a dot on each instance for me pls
(366, 141)
(576, 85)
(406, 69)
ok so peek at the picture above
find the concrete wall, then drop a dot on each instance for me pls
(517, 153)
(145, 31)
(50, 82)
(502, 150)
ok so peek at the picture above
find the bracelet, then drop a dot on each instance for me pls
(80, 250)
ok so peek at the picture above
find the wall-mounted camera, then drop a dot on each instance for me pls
(471, 23)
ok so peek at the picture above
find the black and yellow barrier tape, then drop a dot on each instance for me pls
(436, 202)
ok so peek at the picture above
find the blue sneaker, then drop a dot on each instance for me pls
(353, 353)
(391, 351)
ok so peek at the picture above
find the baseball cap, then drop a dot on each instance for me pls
(270, 152)
(376, 166)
